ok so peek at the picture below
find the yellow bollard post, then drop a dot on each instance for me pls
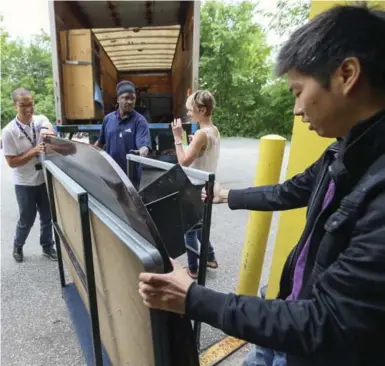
(271, 152)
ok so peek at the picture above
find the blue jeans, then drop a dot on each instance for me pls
(33, 199)
(259, 356)
(191, 239)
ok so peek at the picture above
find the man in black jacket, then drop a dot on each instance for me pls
(330, 310)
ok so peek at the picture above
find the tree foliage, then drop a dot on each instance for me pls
(235, 65)
(232, 64)
(26, 65)
(290, 14)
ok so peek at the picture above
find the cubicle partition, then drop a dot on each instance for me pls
(105, 238)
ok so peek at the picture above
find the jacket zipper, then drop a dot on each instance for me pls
(326, 169)
(298, 249)
(322, 212)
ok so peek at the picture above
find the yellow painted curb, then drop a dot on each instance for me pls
(220, 350)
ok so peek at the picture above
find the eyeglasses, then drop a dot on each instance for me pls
(22, 105)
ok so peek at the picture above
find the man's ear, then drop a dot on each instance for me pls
(349, 74)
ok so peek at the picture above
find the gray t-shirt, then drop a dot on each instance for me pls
(15, 143)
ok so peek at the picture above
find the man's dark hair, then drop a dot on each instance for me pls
(317, 48)
(19, 92)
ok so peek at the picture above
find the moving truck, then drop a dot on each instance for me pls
(96, 44)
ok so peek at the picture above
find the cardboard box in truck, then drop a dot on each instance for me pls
(96, 44)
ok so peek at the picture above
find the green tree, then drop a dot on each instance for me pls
(277, 112)
(278, 100)
(26, 65)
(233, 65)
(288, 16)
(236, 65)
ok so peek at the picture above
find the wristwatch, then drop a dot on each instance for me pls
(178, 142)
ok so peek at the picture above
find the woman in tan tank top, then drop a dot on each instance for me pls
(203, 154)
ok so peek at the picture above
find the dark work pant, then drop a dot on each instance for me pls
(33, 199)
(136, 184)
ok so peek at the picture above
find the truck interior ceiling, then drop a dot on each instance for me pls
(103, 42)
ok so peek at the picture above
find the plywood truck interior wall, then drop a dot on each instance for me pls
(100, 43)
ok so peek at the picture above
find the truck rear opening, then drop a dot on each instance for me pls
(96, 44)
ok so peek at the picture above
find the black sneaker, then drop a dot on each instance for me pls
(50, 253)
(192, 272)
(18, 254)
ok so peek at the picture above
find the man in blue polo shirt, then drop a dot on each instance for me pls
(125, 129)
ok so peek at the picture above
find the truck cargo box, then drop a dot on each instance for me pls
(96, 44)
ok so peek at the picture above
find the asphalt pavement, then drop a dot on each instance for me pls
(35, 326)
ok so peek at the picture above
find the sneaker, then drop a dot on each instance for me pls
(193, 273)
(50, 253)
(18, 254)
(212, 262)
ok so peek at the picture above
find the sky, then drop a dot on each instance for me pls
(25, 18)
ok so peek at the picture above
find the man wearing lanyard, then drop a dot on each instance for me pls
(21, 150)
(124, 130)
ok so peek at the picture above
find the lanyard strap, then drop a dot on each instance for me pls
(33, 142)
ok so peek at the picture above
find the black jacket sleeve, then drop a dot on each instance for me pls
(294, 193)
(345, 308)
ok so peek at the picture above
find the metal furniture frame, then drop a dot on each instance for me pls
(209, 179)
